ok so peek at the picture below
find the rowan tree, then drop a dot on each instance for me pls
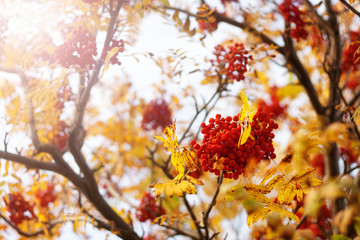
(264, 136)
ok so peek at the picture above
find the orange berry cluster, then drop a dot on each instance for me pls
(235, 60)
(292, 14)
(148, 208)
(219, 149)
(79, 50)
(157, 114)
(19, 208)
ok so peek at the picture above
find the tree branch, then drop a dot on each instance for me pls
(351, 8)
(212, 204)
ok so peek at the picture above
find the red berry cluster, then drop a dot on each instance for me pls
(157, 114)
(235, 60)
(148, 208)
(19, 208)
(274, 106)
(46, 196)
(206, 19)
(292, 14)
(349, 54)
(3, 28)
(114, 43)
(317, 226)
(219, 149)
(79, 50)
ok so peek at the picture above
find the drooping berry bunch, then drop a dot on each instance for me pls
(114, 43)
(235, 60)
(206, 19)
(79, 50)
(157, 114)
(219, 149)
(293, 15)
(149, 208)
(19, 208)
(274, 106)
(3, 28)
(46, 196)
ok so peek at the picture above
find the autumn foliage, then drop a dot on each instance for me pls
(246, 127)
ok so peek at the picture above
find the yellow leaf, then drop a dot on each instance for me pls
(290, 91)
(273, 182)
(286, 194)
(190, 160)
(194, 180)
(172, 187)
(170, 143)
(260, 197)
(176, 161)
(7, 164)
(244, 135)
(276, 208)
(356, 114)
(269, 174)
(257, 215)
(138, 6)
(256, 188)
(299, 195)
(110, 54)
(303, 174)
(210, 79)
(245, 106)
(314, 182)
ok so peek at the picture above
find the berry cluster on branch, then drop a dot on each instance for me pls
(46, 196)
(157, 115)
(19, 208)
(219, 150)
(274, 106)
(79, 50)
(293, 15)
(149, 208)
(235, 60)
